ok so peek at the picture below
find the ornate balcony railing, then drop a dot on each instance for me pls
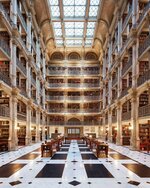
(33, 119)
(71, 110)
(127, 18)
(21, 116)
(145, 45)
(4, 111)
(127, 66)
(91, 84)
(5, 78)
(114, 119)
(56, 110)
(23, 92)
(55, 97)
(21, 67)
(114, 81)
(77, 72)
(74, 97)
(92, 97)
(125, 44)
(56, 85)
(56, 72)
(144, 111)
(33, 81)
(5, 47)
(124, 92)
(126, 116)
(143, 14)
(33, 45)
(74, 84)
(22, 19)
(91, 110)
(91, 72)
(145, 77)
(5, 14)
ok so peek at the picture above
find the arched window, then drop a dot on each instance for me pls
(74, 121)
(91, 56)
(74, 56)
(57, 56)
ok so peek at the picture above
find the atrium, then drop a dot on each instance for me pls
(75, 93)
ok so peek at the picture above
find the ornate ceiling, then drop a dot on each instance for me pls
(74, 21)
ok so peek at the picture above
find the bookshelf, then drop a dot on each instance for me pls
(4, 135)
(143, 99)
(144, 135)
(21, 135)
(4, 67)
(143, 67)
(126, 133)
(143, 36)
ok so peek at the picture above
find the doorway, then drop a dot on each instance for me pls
(74, 132)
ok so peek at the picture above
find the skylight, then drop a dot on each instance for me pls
(74, 21)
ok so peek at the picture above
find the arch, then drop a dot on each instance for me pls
(74, 56)
(74, 121)
(91, 56)
(57, 56)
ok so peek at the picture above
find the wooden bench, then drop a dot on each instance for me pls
(73, 138)
(3, 146)
(97, 145)
(50, 147)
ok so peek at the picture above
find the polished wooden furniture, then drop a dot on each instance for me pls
(97, 145)
(51, 146)
(73, 138)
(3, 146)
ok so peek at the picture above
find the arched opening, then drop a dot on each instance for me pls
(57, 56)
(74, 121)
(74, 56)
(91, 56)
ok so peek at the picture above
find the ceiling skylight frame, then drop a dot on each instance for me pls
(83, 15)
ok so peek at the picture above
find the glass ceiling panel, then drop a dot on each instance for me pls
(94, 2)
(57, 25)
(93, 11)
(53, 2)
(58, 32)
(70, 26)
(55, 11)
(59, 42)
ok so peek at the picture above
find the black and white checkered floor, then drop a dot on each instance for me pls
(75, 166)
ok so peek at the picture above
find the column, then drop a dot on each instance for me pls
(13, 63)
(13, 139)
(43, 96)
(28, 125)
(110, 125)
(13, 14)
(44, 67)
(109, 90)
(135, 141)
(37, 125)
(134, 64)
(119, 81)
(29, 32)
(119, 32)
(135, 9)
(28, 81)
(43, 127)
(119, 127)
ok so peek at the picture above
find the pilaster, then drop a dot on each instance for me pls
(119, 127)
(135, 141)
(28, 126)
(13, 139)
